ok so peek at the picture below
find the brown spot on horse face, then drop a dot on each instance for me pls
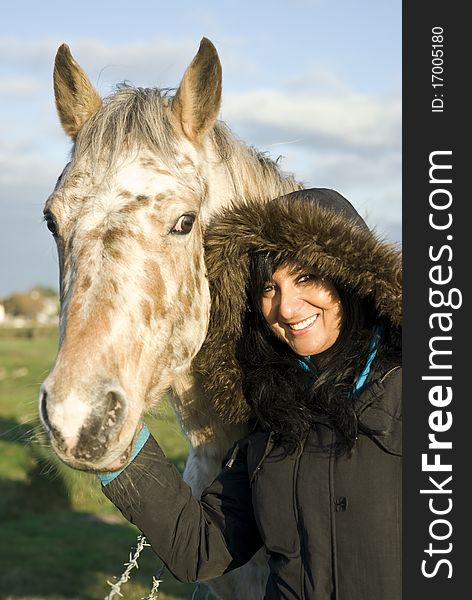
(191, 287)
(85, 284)
(111, 236)
(112, 240)
(186, 161)
(155, 166)
(94, 235)
(74, 309)
(134, 354)
(115, 254)
(154, 286)
(186, 301)
(146, 311)
(135, 204)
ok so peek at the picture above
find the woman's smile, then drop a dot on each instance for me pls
(302, 326)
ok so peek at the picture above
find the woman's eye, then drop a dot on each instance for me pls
(184, 225)
(308, 278)
(268, 289)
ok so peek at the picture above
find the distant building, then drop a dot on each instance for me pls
(37, 306)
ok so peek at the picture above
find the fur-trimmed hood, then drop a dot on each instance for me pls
(317, 228)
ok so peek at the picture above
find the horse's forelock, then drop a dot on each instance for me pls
(129, 118)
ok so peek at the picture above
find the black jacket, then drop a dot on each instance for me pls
(331, 524)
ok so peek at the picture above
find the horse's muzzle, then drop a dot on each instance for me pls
(82, 433)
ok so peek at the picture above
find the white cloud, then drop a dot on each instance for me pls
(329, 136)
(349, 120)
(372, 184)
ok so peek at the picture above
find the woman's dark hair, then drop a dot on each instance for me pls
(286, 397)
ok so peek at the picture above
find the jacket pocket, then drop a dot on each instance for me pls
(381, 418)
(383, 428)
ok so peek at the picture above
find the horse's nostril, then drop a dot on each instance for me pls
(43, 409)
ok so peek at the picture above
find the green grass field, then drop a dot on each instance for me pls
(60, 538)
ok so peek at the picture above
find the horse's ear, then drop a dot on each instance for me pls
(197, 101)
(76, 98)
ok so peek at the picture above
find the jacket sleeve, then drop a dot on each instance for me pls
(197, 540)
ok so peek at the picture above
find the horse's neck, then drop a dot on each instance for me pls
(209, 438)
(197, 417)
(245, 174)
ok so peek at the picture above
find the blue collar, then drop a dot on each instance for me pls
(374, 342)
(304, 363)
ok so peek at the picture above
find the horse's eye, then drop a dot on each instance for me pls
(51, 224)
(184, 225)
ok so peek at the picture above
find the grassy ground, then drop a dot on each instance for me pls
(59, 537)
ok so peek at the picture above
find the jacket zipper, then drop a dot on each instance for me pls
(267, 450)
(296, 468)
(332, 496)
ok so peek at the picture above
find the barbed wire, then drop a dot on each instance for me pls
(133, 564)
(156, 581)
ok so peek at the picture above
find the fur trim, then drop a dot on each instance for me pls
(310, 233)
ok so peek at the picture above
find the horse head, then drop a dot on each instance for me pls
(127, 215)
(128, 212)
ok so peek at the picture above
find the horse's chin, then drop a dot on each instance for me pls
(113, 460)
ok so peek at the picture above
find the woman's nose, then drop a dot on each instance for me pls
(289, 304)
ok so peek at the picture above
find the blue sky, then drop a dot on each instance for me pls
(316, 81)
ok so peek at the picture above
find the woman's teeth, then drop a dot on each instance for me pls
(303, 324)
